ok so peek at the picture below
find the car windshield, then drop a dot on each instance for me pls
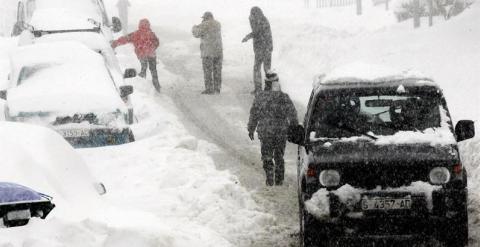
(29, 71)
(346, 114)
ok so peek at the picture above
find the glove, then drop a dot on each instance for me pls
(251, 135)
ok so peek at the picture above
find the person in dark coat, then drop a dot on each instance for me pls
(146, 43)
(211, 47)
(262, 45)
(271, 115)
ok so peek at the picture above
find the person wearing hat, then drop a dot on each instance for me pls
(271, 114)
(146, 43)
(262, 45)
(209, 32)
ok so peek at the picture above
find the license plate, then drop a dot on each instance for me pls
(18, 215)
(71, 133)
(386, 203)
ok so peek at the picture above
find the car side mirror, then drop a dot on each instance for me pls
(296, 135)
(465, 130)
(126, 90)
(129, 73)
(116, 24)
(3, 94)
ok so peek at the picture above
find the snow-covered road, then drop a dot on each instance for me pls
(222, 119)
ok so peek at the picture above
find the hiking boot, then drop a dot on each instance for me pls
(207, 92)
(269, 180)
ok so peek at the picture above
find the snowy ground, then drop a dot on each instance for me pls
(193, 178)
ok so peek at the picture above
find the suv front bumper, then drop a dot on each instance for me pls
(350, 225)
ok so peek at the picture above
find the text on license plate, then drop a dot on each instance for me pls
(385, 203)
(74, 133)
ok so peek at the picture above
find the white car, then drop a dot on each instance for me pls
(44, 15)
(69, 88)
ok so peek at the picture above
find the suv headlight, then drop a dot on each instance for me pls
(330, 178)
(439, 176)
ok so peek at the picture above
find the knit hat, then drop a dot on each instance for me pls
(207, 15)
(271, 76)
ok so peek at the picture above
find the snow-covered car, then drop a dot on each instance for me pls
(37, 159)
(57, 15)
(68, 87)
(96, 40)
(379, 161)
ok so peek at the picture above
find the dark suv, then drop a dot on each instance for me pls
(378, 163)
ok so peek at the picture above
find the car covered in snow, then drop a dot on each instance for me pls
(57, 15)
(40, 172)
(379, 162)
(68, 87)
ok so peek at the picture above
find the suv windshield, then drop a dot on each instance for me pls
(347, 113)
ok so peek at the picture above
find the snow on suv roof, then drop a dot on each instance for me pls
(366, 75)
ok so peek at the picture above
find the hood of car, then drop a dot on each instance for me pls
(63, 104)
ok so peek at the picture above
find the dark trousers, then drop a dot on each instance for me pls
(273, 149)
(150, 62)
(264, 58)
(212, 71)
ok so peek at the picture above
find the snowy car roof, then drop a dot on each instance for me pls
(369, 75)
(60, 19)
(63, 77)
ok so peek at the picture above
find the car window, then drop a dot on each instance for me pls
(376, 113)
(29, 71)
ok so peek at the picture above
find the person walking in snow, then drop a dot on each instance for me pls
(262, 45)
(146, 43)
(211, 47)
(271, 115)
(123, 6)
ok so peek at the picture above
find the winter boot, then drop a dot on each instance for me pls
(269, 173)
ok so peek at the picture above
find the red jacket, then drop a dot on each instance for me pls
(144, 40)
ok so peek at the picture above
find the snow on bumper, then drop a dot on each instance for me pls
(347, 200)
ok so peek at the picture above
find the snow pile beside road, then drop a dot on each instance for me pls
(168, 173)
(41, 159)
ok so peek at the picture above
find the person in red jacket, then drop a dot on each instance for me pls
(146, 43)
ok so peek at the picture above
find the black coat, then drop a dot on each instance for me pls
(261, 31)
(271, 114)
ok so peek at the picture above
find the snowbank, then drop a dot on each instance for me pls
(41, 159)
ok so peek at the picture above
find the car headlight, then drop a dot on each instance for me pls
(330, 178)
(439, 176)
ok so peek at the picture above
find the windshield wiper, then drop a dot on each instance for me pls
(349, 129)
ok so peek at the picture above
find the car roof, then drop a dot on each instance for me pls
(61, 19)
(361, 75)
(61, 71)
